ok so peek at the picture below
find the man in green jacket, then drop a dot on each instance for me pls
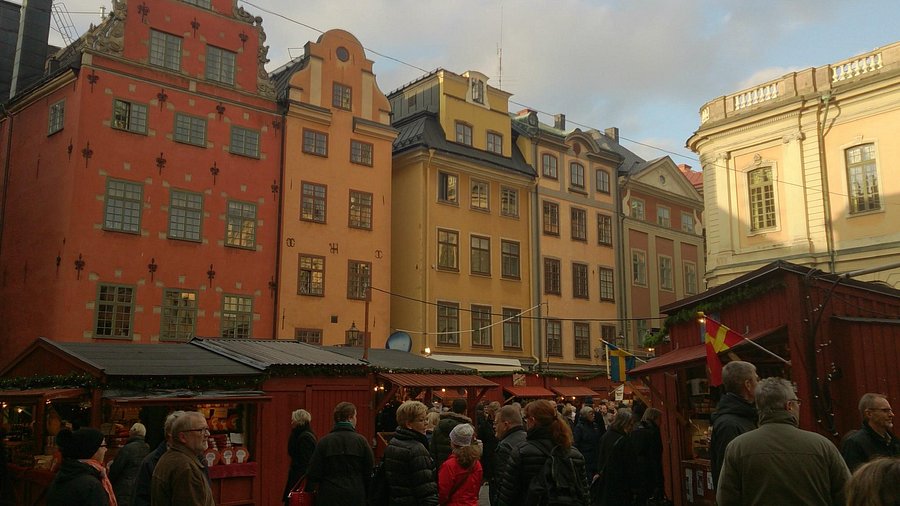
(778, 463)
(180, 478)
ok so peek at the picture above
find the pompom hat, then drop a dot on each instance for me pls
(462, 434)
(81, 444)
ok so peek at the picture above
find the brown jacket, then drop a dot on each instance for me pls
(180, 479)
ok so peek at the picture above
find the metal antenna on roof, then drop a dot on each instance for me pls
(500, 51)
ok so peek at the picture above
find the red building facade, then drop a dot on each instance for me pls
(140, 183)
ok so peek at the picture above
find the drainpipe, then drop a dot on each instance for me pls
(536, 261)
(280, 224)
(5, 112)
(822, 111)
(622, 306)
(428, 252)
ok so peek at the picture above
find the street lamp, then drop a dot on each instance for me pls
(353, 336)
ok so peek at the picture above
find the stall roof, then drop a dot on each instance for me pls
(185, 396)
(437, 380)
(575, 391)
(527, 392)
(46, 394)
(262, 354)
(482, 363)
(131, 359)
(397, 360)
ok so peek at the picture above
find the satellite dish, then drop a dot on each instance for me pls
(399, 341)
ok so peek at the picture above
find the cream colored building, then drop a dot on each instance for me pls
(461, 250)
(803, 168)
(336, 197)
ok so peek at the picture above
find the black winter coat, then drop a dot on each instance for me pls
(301, 444)
(587, 440)
(524, 463)
(410, 471)
(733, 417)
(648, 472)
(76, 484)
(440, 439)
(341, 466)
(488, 446)
(513, 437)
(616, 460)
(124, 469)
(144, 480)
(865, 444)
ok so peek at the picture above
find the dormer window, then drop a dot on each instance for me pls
(477, 91)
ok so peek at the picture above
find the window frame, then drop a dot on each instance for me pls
(638, 209)
(362, 153)
(313, 202)
(666, 273)
(240, 314)
(639, 267)
(448, 188)
(218, 68)
(494, 142)
(447, 323)
(549, 166)
(687, 226)
(509, 202)
(311, 275)
(761, 200)
(552, 276)
(238, 239)
(186, 217)
(554, 339)
(173, 331)
(690, 277)
(482, 335)
(479, 255)
(607, 278)
(576, 175)
(359, 279)
(129, 205)
(865, 176)
(463, 133)
(510, 258)
(360, 212)
(341, 96)
(550, 218)
(56, 117)
(115, 312)
(308, 335)
(445, 245)
(580, 281)
(603, 177)
(512, 328)
(581, 337)
(315, 142)
(187, 128)
(479, 195)
(127, 123)
(244, 141)
(604, 229)
(663, 216)
(578, 223)
(165, 56)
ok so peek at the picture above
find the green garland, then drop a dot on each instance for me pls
(74, 380)
(714, 305)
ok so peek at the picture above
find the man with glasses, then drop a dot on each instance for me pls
(181, 477)
(875, 438)
(779, 463)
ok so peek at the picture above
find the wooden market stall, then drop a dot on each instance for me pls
(840, 336)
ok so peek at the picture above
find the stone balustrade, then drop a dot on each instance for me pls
(856, 67)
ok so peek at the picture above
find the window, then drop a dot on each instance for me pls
(463, 133)
(165, 50)
(637, 209)
(115, 311)
(607, 284)
(551, 218)
(549, 166)
(690, 278)
(448, 323)
(219, 65)
(359, 277)
(554, 337)
(608, 333)
(642, 329)
(129, 116)
(477, 90)
(313, 199)
(360, 210)
(57, 116)
(481, 326)
(308, 336)
(185, 215)
(311, 275)
(199, 3)
(237, 315)
(762, 198)
(602, 181)
(447, 187)
(552, 276)
(687, 223)
(341, 96)
(512, 328)
(190, 130)
(509, 201)
(580, 281)
(361, 153)
(495, 143)
(448, 249)
(582, 339)
(862, 179)
(604, 230)
(481, 255)
(315, 143)
(241, 227)
(244, 141)
(639, 267)
(179, 315)
(663, 216)
(123, 206)
(665, 273)
(480, 195)
(509, 259)
(579, 224)
(576, 175)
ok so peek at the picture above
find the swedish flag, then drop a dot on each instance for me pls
(620, 362)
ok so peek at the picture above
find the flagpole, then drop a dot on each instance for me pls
(702, 317)
(608, 374)
(788, 362)
(608, 344)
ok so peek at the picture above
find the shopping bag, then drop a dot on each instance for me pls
(298, 496)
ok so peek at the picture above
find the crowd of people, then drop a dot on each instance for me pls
(539, 453)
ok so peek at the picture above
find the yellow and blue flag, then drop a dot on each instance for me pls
(620, 362)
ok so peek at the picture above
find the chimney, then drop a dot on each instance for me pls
(559, 121)
(9, 32)
(612, 133)
(684, 167)
(31, 46)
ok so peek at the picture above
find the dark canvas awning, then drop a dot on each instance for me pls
(575, 391)
(529, 392)
(437, 380)
(43, 394)
(185, 396)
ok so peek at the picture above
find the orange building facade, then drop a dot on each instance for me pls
(336, 222)
(141, 183)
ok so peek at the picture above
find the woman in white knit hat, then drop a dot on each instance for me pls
(459, 479)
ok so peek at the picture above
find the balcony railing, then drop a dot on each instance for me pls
(856, 67)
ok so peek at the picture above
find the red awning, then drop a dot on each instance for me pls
(682, 357)
(575, 391)
(529, 392)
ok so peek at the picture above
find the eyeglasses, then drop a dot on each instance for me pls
(797, 401)
(883, 410)
(204, 430)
